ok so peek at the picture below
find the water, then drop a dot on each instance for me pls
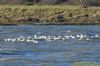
(49, 53)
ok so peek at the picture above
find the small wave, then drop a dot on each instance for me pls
(9, 52)
(72, 31)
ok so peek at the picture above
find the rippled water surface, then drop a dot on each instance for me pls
(48, 53)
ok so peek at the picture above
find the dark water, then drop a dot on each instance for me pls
(48, 53)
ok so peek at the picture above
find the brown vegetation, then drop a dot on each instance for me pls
(49, 15)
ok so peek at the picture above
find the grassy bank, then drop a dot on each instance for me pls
(49, 14)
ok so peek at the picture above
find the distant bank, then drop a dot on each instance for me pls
(49, 14)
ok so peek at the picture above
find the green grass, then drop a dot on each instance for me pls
(86, 64)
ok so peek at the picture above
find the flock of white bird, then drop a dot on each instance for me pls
(37, 38)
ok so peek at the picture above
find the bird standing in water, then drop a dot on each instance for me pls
(83, 3)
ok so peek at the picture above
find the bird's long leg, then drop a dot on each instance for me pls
(83, 3)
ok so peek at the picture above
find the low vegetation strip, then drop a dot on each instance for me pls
(86, 64)
(49, 14)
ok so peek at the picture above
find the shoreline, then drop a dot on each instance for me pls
(49, 14)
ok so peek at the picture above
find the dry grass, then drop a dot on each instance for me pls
(48, 13)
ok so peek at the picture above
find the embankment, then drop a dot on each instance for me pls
(44, 14)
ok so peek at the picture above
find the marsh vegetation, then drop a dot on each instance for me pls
(57, 14)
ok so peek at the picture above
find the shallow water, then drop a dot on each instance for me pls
(49, 53)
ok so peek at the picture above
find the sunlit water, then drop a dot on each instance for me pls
(58, 52)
